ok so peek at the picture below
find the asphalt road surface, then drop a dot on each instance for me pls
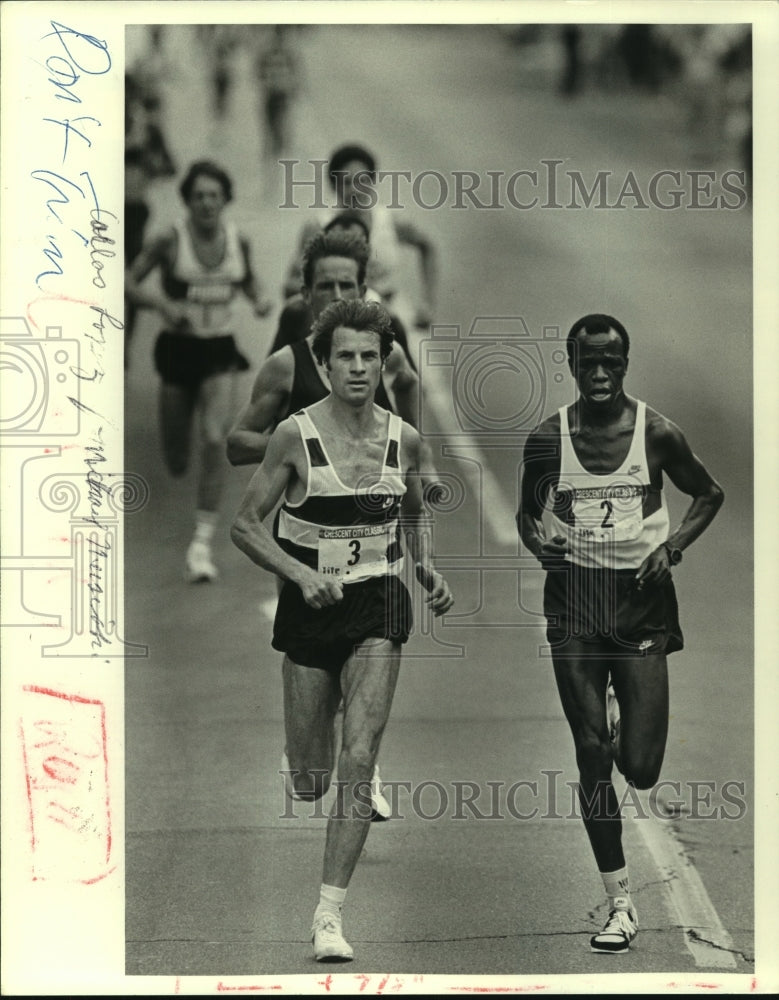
(222, 877)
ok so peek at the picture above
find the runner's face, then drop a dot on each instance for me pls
(599, 367)
(334, 278)
(206, 200)
(355, 365)
(345, 184)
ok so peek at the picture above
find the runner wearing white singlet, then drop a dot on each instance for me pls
(609, 598)
(347, 469)
(203, 262)
(352, 174)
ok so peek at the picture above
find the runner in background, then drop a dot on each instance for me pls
(278, 73)
(146, 159)
(296, 317)
(203, 262)
(348, 472)
(352, 173)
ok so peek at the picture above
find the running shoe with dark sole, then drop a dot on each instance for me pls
(380, 808)
(618, 931)
(199, 567)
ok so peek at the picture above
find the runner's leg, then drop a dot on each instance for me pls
(176, 410)
(368, 681)
(216, 400)
(641, 687)
(582, 676)
(311, 697)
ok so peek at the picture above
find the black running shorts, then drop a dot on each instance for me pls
(325, 637)
(186, 360)
(602, 606)
(276, 104)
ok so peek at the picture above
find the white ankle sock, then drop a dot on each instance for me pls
(617, 886)
(205, 525)
(331, 899)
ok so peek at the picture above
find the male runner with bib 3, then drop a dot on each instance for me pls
(291, 378)
(609, 599)
(346, 469)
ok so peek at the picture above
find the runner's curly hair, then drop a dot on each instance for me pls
(334, 244)
(355, 314)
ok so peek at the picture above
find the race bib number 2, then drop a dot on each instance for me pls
(612, 514)
(353, 552)
(607, 523)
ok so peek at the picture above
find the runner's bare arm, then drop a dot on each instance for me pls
(283, 460)
(411, 235)
(252, 286)
(247, 441)
(403, 381)
(417, 525)
(158, 252)
(537, 476)
(690, 476)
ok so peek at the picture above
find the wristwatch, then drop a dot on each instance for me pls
(674, 554)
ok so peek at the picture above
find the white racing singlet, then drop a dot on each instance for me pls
(209, 291)
(345, 533)
(601, 515)
(381, 274)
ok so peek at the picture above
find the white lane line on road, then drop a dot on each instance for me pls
(704, 934)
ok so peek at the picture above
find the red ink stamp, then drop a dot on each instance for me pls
(64, 747)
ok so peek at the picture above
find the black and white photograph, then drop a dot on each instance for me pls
(388, 581)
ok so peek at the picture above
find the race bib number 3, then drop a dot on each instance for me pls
(353, 552)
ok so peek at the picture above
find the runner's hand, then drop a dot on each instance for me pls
(262, 307)
(655, 570)
(553, 552)
(319, 592)
(440, 598)
(423, 316)
(175, 315)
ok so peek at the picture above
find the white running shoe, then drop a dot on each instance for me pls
(289, 786)
(380, 808)
(199, 566)
(613, 720)
(328, 939)
(618, 931)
